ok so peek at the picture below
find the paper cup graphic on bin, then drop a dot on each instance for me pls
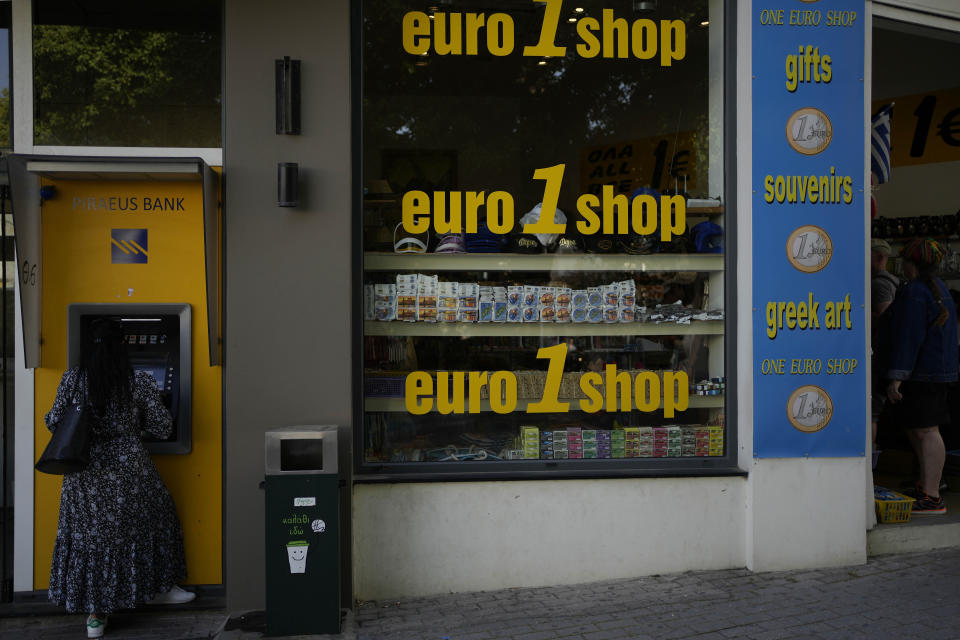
(297, 555)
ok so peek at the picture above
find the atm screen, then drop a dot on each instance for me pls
(156, 372)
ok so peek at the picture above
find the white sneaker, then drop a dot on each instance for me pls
(176, 595)
(96, 626)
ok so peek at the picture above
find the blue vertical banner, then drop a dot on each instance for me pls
(809, 258)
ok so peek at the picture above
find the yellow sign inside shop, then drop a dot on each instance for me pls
(659, 162)
(925, 127)
(610, 36)
(461, 391)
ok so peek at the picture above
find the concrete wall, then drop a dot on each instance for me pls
(472, 536)
(288, 282)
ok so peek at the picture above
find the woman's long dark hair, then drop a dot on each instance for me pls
(104, 361)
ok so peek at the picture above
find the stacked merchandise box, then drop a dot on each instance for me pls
(688, 441)
(574, 442)
(659, 442)
(514, 303)
(499, 304)
(604, 444)
(646, 442)
(674, 441)
(618, 444)
(632, 442)
(716, 440)
(530, 441)
(448, 301)
(407, 297)
(589, 443)
(468, 294)
(546, 445)
(560, 449)
(385, 302)
(427, 294)
(703, 441)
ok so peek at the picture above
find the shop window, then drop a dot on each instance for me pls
(141, 75)
(594, 342)
(6, 117)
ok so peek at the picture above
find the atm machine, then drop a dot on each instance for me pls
(157, 337)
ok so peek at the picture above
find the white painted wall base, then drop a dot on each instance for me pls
(425, 539)
(806, 512)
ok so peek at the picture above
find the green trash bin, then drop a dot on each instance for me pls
(302, 531)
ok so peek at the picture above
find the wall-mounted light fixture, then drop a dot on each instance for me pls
(288, 175)
(288, 95)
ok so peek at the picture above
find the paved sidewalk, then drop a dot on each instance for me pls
(892, 597)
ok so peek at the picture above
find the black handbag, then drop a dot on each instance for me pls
(69, 448)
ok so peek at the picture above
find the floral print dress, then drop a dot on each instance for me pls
(119, 540)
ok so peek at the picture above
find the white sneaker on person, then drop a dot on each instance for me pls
(176, 595)
(96, 626)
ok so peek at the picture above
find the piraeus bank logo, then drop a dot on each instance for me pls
(128, 246)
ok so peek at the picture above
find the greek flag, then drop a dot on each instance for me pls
(880, 144)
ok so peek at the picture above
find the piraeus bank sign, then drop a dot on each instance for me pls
(127, 204)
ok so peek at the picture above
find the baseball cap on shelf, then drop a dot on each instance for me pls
(524, 243)
(484, 240)
(569, 242)
(707, 237)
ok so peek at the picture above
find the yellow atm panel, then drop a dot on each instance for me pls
(134, 239)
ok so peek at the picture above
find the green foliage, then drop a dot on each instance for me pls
(125, 87)
(6, 122)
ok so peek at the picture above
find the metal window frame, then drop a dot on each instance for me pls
(725, 465)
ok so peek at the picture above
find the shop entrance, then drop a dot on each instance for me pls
(914, 195)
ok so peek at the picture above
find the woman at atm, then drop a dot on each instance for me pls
(119, 542)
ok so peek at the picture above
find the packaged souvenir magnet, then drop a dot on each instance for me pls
(514, 295)
(530, 298)
(611, 293)
(564, 295)
(610, 313)
(579, 299)
(563, 314)
(579, 314)
(486, 311)
(627, 290)
(594, 296)
(547, 295)
(408, 280)
(368, 302)
(447, 295)
(468, 293)
(595, 314)
(548, 313)
(513, 313)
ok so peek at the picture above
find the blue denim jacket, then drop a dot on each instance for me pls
(919, 350)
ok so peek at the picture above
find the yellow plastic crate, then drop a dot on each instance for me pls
(893, 507)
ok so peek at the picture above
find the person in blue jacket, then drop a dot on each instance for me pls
(922, 364)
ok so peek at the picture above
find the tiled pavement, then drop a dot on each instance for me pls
(891, 597)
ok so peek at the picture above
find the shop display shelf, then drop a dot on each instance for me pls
(397, 405)
(375, 261)
(466, 330)
(704, 211)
